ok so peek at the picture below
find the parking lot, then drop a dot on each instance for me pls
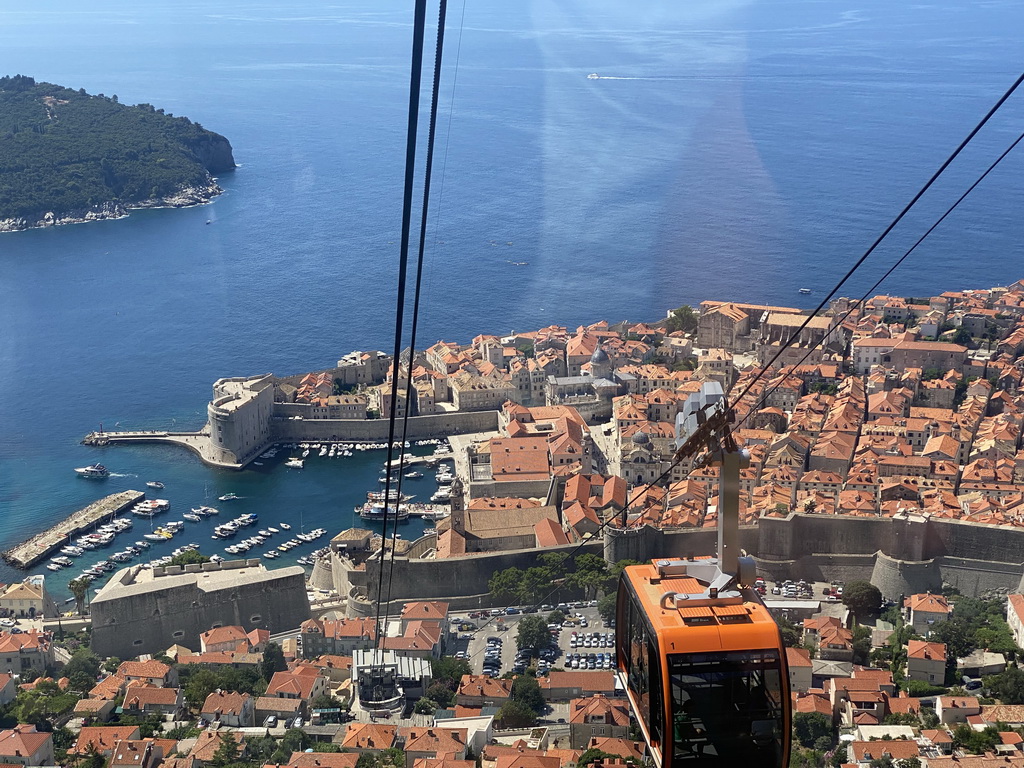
(581, 618)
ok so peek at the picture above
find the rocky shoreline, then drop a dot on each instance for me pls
(185, 197)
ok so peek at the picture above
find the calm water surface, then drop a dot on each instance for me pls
(727, 150)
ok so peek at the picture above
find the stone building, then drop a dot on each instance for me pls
(239, 417)
(145, 611)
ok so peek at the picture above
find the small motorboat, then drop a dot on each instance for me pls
(284, 526)
(154, 484)
(228, 497)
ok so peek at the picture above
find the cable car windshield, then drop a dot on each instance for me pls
(727, 708)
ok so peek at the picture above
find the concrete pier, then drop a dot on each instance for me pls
(29, 553)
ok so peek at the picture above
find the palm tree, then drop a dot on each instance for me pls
(79, 589)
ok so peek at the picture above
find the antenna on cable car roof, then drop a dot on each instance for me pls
(703, 425)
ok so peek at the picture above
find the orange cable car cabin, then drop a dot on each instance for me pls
(704, 668)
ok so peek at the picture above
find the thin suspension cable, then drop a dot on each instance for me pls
(447, 137)
(438, 51)
(882, 236)
(860, 302)
(419, 27)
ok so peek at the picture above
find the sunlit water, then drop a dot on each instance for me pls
(726, 150)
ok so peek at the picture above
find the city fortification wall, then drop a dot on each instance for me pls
(136, 615)
(376, 430)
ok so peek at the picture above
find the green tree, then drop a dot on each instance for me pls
(533, 632)
(682, 319)
(863, 598)
(809, 727)
(92, 757)
(606, 606)
(79, 590)
(535, 584)
(190, 557)
(902, 718)
(909, 762)
(441, 693)
(861, 644)
(426, 706)
(514, 715)
(227, 751)
(790, 634)
(504, 585)
(273, 661)
(1008, 685)
(82, 670)
(526, 691)
(556, 617)
(590, 575)
(975, 742)
(555, 563)
(449, 670)
(386, 758)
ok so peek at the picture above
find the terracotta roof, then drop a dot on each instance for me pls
(103, 737)
(143, 669)
(369, 736)
(22, 740)
(225, 703)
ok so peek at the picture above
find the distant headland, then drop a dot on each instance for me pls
(67, 157)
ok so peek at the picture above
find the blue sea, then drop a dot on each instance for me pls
(725, 150)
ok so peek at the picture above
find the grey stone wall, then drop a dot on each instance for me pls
(454, 576)
(376, 430)
(131, 623)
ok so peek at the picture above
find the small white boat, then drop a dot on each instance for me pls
(154, 484)
(294, 463)
(285, 526)
(273, 530)
(228, 497)
(593, 76)
(805, 290)
(414, 475)
(93, 471)
(192, 517)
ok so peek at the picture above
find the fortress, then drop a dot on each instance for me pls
(145, 611)
(901, 555)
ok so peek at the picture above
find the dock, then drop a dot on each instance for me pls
(30, 552)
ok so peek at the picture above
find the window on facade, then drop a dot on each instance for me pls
(137, 642)
(255, 618)
(177, 634)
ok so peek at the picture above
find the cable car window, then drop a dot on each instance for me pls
(639, 671)
(727, 708)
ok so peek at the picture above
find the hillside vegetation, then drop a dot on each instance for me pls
(69, 155)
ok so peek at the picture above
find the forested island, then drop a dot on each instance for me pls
(67, 156)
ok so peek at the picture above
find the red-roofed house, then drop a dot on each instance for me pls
(24, 745)
(925, 611)
(8, 690)
(483, 691)
(336, 636)
(956, 709)
(230, 708)
(288, 685)
(103, 738)
(136, 754)
(321, 760)
(926, 661)
(153, 672)
(142, 699)
(863, 752)
(573, 684)
(421, 743)
(1015, 617)
(800, 668)
(369, 737)
(597, 716)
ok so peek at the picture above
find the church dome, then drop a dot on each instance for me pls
(641, 438)
(599, 356)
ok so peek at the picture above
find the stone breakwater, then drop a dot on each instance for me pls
(185, 197)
